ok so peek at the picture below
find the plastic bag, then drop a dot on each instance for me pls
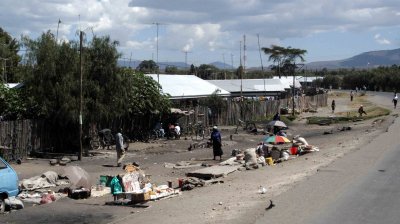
(116, 187)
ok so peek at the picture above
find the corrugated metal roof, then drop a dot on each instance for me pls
(14, 85)
(250, 85)
(187, 86)
(288, 81)
(308, 78)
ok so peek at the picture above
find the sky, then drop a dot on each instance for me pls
(204, 31)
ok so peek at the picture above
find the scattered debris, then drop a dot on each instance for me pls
(271, 205)
(212, 172)
(46, 180)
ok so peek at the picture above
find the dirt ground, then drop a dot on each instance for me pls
(235, 201)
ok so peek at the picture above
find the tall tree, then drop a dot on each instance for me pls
(192, 70)
(206, 71)
(277, 54)
(148, 66)
(9, 57)
(170, 69)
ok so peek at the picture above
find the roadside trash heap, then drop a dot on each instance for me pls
(266, 153)
(36, 190)
(270, 152)
(134, 187)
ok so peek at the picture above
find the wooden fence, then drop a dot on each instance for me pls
(19, 138)
(252, 110)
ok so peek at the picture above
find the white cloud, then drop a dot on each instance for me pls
(198, 26)
(381, 40)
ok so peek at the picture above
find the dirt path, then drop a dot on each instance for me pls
(235, 201)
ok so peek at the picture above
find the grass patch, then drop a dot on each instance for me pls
(338, 94)
(349, 116)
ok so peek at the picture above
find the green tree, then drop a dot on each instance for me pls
(148, 66)
(171, 69)
(278, 55)
(192, 70)
(216, 104)
(9, 58)
(12, 103)
(52, 87)
(331, 81)
(207, 71)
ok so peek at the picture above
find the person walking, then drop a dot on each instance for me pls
(395, 98)
(216, 143)
(333, 106)
(119, 146)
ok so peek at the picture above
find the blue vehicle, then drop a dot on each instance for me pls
(8, 183)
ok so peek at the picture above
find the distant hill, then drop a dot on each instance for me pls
(221, 65)
(362, 61)
(163, 65)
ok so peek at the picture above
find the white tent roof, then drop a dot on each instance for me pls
(250, 85)
(187, 86)
(288, 81)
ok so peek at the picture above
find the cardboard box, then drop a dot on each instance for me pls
(140, 197)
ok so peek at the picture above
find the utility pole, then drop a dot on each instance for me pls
(130, 59)
(262, 66)
(186, 53)
(81, 97)
(223, 58)
(158, 72)
(244, 54)
(232, 65)
(241, 73)
(5, 68)
(58, 26)
(294, 89)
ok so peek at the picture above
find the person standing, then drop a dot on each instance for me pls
(395, 98)
(119, 146)
(351, 95)
(333, 106)
(216, 143)
(277, 117)
(177, 131)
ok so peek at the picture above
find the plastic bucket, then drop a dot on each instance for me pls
(293, 150)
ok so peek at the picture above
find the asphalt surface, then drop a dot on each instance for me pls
(372, 199)
(362, 187)
(312, 199)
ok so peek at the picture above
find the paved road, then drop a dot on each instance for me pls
(372, 199)
(362, 187)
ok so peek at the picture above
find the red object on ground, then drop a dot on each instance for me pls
(293, 150)
(180, 183)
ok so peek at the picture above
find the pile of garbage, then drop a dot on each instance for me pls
(37, 189)
(136, 187)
